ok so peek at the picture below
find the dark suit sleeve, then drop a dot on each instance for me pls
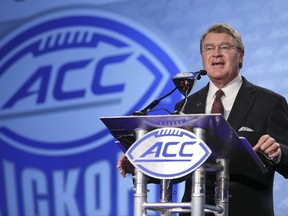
(278, 129)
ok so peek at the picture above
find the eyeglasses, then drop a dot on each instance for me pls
(223, 47)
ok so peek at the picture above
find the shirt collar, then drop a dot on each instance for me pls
(230, 89)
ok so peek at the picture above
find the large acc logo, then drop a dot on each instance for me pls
(168, 153)
(61, 71)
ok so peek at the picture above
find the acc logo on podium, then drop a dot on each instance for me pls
(168, 153)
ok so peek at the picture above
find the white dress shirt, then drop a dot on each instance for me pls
(230, 91)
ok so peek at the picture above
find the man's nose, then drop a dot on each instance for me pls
(217, 51)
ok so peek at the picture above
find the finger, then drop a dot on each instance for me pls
(275, 152)
(260, 142)
(263, 139)
(120, 161)
(120, 165)
(256, 148)
(272, 148)
(266, 144)
(123, 173)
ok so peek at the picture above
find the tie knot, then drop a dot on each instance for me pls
(219, 94)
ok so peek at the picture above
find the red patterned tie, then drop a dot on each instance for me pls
(217, 106)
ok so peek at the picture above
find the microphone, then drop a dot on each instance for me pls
(185, 81)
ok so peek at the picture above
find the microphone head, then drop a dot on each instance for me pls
(203, 72)
(185, 81)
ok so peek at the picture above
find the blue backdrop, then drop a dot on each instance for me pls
(64, 64)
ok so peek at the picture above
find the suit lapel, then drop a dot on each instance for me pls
(197, 101)
(243, 103)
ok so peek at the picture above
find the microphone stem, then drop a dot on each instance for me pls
(153, 104)
(184, 105)
(167, 94)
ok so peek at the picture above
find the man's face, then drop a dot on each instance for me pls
(221, 58)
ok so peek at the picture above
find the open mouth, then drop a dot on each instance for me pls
(217, 63)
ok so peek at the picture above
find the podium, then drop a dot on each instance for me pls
(227, 151)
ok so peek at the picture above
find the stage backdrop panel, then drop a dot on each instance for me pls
(65, 63)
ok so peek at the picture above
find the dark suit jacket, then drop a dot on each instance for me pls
(266, 113)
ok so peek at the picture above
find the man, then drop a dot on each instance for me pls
(262, 113)
(256, 113)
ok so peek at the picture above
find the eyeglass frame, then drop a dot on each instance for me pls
(229, 46)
